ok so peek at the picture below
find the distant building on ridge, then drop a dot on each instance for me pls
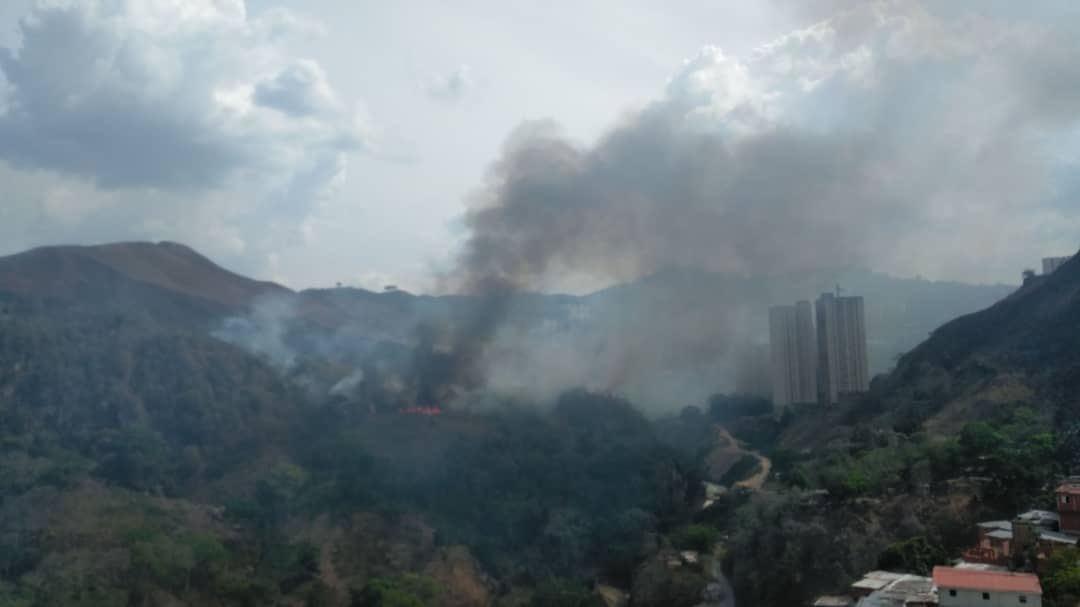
(1052, 263)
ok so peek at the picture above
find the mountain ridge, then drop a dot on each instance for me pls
(695, 313)
(1019, 350)
(54, 271)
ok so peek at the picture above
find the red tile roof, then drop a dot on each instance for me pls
(995, 581)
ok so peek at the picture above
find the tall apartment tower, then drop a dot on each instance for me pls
(753, 370)
(792, 349)
(841, 342)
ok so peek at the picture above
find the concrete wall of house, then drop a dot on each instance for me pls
(1068, 507)
(1070, 521)
(1068, 502)
(975, 598)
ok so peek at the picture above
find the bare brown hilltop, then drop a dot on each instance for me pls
(80, 271)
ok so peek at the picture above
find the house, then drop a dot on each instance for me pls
(995, 543)
(1068, 505)
(975, 588)
(1033, 533)
(1042, 518)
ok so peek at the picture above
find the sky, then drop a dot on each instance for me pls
(371, 143)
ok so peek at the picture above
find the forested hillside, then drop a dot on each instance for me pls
(976, 423)
(178, 438)
(145, 464)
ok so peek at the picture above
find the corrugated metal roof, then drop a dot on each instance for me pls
(1054, 536)
(901, 591)
(877, 579)
(1039, 515)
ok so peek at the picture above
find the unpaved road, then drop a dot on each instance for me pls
(758, 480)
(727, 443)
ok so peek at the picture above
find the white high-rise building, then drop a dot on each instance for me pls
(792, 349)
(841, 341)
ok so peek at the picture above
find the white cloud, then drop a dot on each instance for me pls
(137, 93)
(187, 102)
(298, 90)
(717, 91)
(452, 87)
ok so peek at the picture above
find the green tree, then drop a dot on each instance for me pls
(211, 559)
(562, 593)
(978, 439)
(1061, 578)
(276, 493)
(408, 590)
(695, 537)
(917, 555)
(138, 458)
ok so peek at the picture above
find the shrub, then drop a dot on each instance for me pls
(695, 537)
(917, 555)
(407, 590)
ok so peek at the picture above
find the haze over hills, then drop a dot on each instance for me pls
(1019, 352)
(247, 443)
(146, 462)
(976, 423)
(682, 355)
(176, 432)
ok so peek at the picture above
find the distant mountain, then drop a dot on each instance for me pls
(665, 340)
(900, 312)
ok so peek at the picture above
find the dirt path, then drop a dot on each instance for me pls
(726, 442)
(758, 480)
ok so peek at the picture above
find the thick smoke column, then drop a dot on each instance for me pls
(654, 194)
(447, 357)
(821, 150)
